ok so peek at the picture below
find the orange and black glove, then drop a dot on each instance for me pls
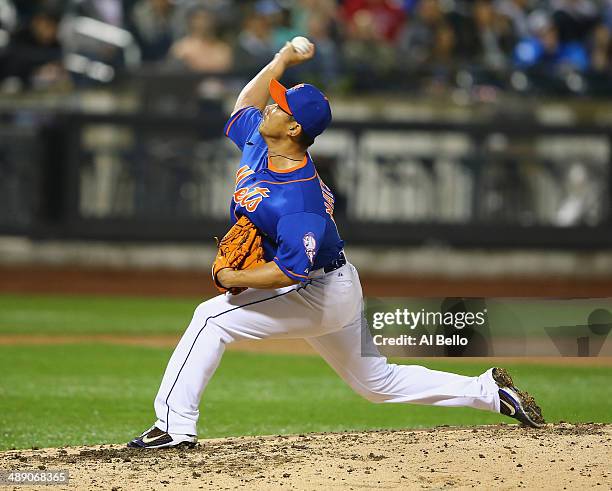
(240, 249)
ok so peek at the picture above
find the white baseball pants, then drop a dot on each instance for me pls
(326, 310)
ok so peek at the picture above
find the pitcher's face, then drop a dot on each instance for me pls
(275, 123)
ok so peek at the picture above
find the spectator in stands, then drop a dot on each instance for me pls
(492, 36)
(428, 37)
(325, 66)
(8, 21)
(583, 21)
(545, 50)
(34, 55)
(227, 15)
(256, 44)
(607, 14)
(353, 37)
(27, 8)
(317, 20)
(383, 19)
(371, 29)
(601, 55)
(287, 27)
(156, 26)
(201, 50)
(600, 48)
(113, 12)
(301, 13)
(574, 19)
(516, 13)
(409, 6)
(278, 19)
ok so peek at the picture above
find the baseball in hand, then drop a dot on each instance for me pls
(300, 44)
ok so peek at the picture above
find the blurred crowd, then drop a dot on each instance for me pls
(43, 42)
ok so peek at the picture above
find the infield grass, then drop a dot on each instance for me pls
(85, 394)
(50, 314)
(56, 395)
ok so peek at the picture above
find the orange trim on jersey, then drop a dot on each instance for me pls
(240, 111)
(290, 169)
(294, 274)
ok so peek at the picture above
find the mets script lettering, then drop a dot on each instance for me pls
(250, 198)
(243, 172)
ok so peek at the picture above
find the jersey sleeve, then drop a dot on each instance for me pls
(299, 236)
(241, 125)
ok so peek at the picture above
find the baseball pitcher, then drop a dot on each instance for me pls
(283, 273)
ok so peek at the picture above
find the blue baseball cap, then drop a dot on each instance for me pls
(307, 104)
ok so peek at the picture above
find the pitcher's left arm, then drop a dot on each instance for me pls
(268, 275)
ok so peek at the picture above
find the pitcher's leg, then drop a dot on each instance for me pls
(254, 314)
(215, 323)
(187, 373)
(379, 381)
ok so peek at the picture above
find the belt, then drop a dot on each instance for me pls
(336, 263)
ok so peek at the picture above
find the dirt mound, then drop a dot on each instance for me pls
(559, 456)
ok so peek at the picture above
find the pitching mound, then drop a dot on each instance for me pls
(558, 457)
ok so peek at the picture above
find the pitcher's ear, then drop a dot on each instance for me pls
(295, 128)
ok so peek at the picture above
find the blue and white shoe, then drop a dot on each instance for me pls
(515, 403)
(156, 438)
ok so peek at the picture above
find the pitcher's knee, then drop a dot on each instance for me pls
(374, 391)
(379, 385)
(373, 396)
(204, 319)
(225, 335)
(204, 311)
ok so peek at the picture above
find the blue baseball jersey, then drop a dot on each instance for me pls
(292, 208)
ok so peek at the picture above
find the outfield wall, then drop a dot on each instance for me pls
(167, 269)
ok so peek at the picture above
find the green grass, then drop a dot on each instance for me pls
(93, 393)
(55, 314)
(86, 394)
(49, 314)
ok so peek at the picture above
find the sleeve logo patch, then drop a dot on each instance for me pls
(310, 245)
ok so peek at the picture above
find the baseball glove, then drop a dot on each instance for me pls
(240, 249)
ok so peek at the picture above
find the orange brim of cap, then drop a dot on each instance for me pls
(278, 92)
